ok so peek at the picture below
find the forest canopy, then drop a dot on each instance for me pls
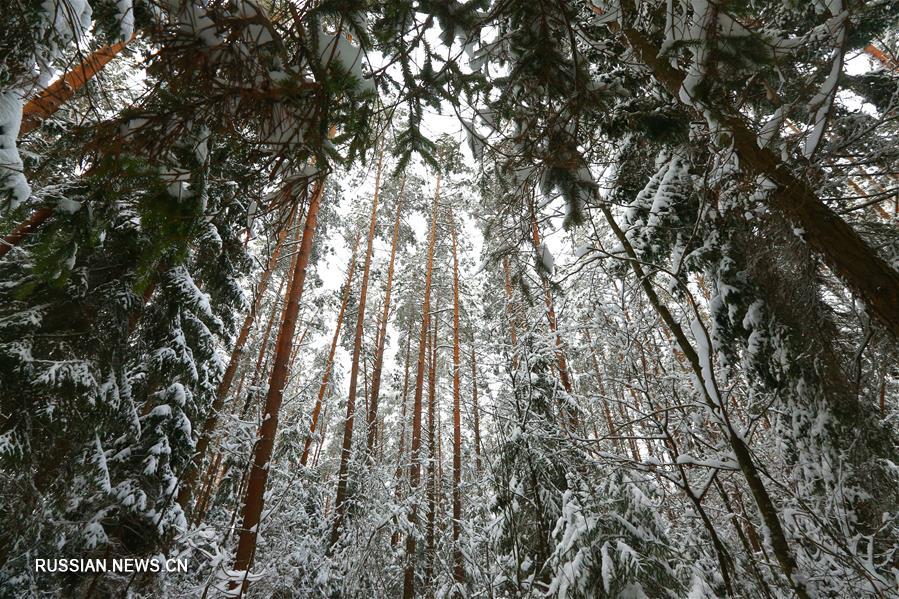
(433, 298)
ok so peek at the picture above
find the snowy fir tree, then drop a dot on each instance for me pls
(449, 299)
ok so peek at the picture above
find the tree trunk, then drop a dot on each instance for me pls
(208, 485)
(561, 360)
(510, 311)
(474, 405)
(253, 503)
(343, 476)
(261, 366)
(415, 463)
(209, 425)
(850, 258)
(51, 99)
(263, 350)
(24, 229)
(743, 456)
(431, 532)
(42, 107)
(601, 388)
(458, 563)
(882, 58)
(382, 332)
(329, 364)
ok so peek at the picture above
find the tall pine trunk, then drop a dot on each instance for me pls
(415, 458)
(382, 332)
(432, 475)
(329, 364)
(263, 350)
(458, 564)
(346, 451)
(253, 503)
(209, 425)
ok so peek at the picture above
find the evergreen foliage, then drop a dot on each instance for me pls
(677, 305)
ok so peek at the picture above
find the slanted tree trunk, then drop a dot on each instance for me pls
(47, 102)
(382, 332)
(345, 453)
(329, 364)
(189, 478)
(415, 458)
(743, 456)
(42, 107)
(881, 56)
(253, 503)
(850, 258)
(458, 563)
(24, 229)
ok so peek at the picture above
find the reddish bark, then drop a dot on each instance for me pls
(382, 333)
(46, 103)
(24, 229)
(263, 350)
(882, 58)
(42, 107)
(415, 463)
(255, 492)
(209, 425)
(329, 364)
(433, 460)
(209, 481)
(343, 475)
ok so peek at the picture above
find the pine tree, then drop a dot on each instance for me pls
(329, 362)
(382, 329)
(458, 563)
(415, 445)
(252, 510)
(224, 387)
(346, 453)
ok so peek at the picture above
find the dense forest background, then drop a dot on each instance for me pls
(421, 298)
